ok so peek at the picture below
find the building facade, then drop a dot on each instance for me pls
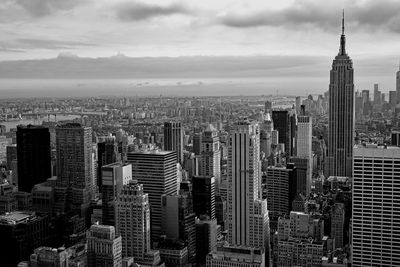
(173, 139)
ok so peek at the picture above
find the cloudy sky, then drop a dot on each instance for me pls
(33, 29)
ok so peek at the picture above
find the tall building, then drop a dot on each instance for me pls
(398, 84)
(395, 138)
(266, 135)
(114, 176)
(304, 144)
(247, 213)
(46, 256)
(210, 154)
(204, 196)
(104, 247)
(107, 151)
(157, 172)
(33, 156)
(206, 238)
(173, 139)
(281, 120)
(21, 232)
(74, 188)
(392, 98)
(133, 223)
(376, 197)
(341, 114)
(11, 154)
(337, 224)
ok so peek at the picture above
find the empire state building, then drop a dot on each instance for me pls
(339, 161)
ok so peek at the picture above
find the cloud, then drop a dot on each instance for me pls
(41, 8)
(364, 15)
(136, 11)
(31, 43)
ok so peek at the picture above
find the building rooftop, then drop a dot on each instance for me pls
(151, 152)
(17, 217)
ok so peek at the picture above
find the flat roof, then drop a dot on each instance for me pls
(16, 217)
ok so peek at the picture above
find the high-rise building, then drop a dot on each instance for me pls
(46, 256)
(266, 135)
(33, 156)
(204, 196)
(277, 191)
(178, 221)
(337, 224)
(114, 176)
(376, 196)
(173, 139)
(395, 138)
(398, 84)
(248, 223)
(133, 224)
(210, 154)
(392, 98)
(377, 95)
(107, 151)
(157, 172)
(281, 120)
(74, 188)
(11, 155)
(341, 114)
(304, 145)
(21, 232)
(267, 106)
(206, 238)
(104, 247)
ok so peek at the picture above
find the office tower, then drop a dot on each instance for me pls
(8, 202)
(178, 221)
(114, 176)
(220, 211)
(157, 172)
(173, 139)
(341, 114)
(377, 94)
(46, 256)
(304, 144)
(365, 96)
(398, 84)
(281, 120)
(247, 213)
(274, 137)
(11, 155)
(173, 253)
(33, 156)
(337, 224)
(21, 232)
(206, 238)
(267, 106)
(392, 98)
(133, 223)
(74, 189)
(277, 188)
(104, 247)
(266, 135)
(395, 138)
(376, 197)
(231, 256)
(204, 196)
(107, 151)
(210, 154)
(197, 143)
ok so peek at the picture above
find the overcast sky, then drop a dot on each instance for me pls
(33, 29)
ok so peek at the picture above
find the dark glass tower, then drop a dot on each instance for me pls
(173, 139)
(33, 156)
(341, 114)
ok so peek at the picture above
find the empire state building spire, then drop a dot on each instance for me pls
(342, 51)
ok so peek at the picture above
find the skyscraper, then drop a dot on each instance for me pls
(204, 196)
(104, 247)
(33, 156)
(376, 198)
(247, 213)
(398, 84)
(304, 144)
(114, 176)
(341, 114)
(107, 151)
(210, 154)
(157, 172)
(74, 187)
(173, 139)
(281, 120)
(133, 223)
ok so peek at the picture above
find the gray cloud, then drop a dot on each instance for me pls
(367, 15)
(136, 11)
(31, 43)
(41, 8)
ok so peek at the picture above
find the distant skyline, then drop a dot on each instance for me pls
(42, 29)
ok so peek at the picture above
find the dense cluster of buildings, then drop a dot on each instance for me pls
(199, 182)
